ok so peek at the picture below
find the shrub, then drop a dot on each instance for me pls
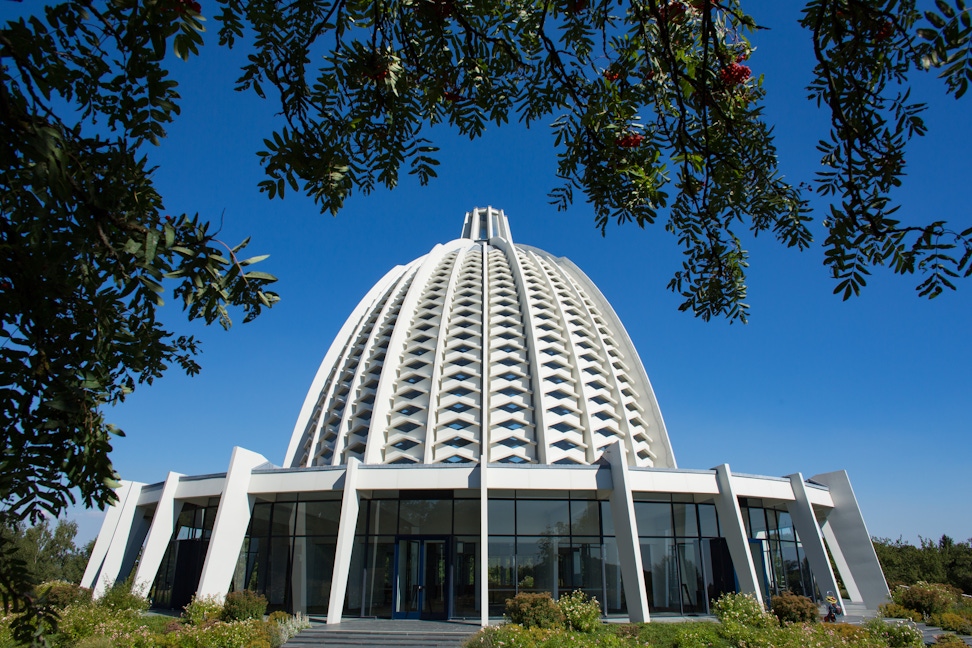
(61, 594)
(698, 635)
(288, 626)
(124, 596)
(201, 610)
(901, 634)
(951, 621)
(509, 636)
(244, 605)
(927, 598)
(742, 609)
(948, 640)
(581, 613)
(534, 610)
(895, 611)
(793, 608)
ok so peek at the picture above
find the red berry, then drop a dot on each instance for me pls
(884, 32)
(451, 96)
(735, 74)
(611, 75)
(631, 140)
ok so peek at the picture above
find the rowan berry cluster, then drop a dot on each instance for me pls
(631, 140)
(611, 75)
(735, 74)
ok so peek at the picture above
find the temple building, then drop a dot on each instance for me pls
(482, 425)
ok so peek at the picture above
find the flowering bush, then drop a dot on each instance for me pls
(244, 605)
(927, 598)
(288, 626)
(201, 610)
(581, 613)
(124, 596)
(742, 609)
(534, 610)
(119, 628)
(61, 594)
(901, 634)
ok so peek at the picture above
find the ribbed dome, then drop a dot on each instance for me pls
(481, 334)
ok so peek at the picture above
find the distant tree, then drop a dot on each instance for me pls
(49, 553)
(945, 561)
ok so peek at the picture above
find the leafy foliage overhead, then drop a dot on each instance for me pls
(87, 251)
(655, 115)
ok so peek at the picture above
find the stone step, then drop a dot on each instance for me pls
(329, 638)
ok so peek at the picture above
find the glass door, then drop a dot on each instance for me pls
(421, 578)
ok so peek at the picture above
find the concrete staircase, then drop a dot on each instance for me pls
(401, 634)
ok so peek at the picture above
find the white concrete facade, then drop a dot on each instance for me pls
(498, 371)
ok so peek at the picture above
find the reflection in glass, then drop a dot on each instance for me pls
(542, 517)
(685, 522)
(660, 574)
(653, 518)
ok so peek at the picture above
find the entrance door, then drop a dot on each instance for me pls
(421, 578)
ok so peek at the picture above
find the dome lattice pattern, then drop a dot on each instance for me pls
(481, 335)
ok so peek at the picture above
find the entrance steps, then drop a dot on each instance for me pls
(362, 633)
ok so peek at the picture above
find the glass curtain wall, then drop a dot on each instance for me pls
(437, 518)
(182, 563)
(288, 552)
(557, 544)
(775, 544)
(685, 560)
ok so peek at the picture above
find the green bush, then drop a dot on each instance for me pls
(927, 598)
(124, 596)
(243, 605)
(793, 608)
(951, 621)
(742, 609)
(61, 594)
(203, 610)
(900, 634)
(895, 611)
(581, 613)
(534, 610)
(948, 640)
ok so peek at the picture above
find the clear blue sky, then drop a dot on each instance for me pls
(878, 386)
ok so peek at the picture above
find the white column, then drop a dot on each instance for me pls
(108, 526)
(229, 530)
(805, 522)
(121, 536)
(484, 535)
(734, 531)
(160, 532)
(626, 535)
(350, 504)
(848, 535)
(853, 592)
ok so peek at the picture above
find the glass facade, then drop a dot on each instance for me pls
(777, 550)
(685, 561)
(182, 563)
(418, 554)
(552, 544)
(288, 552)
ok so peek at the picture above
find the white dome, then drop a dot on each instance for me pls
(481, 334)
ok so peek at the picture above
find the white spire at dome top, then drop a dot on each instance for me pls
(484, 223)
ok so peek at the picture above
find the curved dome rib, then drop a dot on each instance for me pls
(481, 349)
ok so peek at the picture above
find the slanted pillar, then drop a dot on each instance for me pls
(626, 535)
(734, 531)
(847, 536)
(484, 535)
(160, 532)
(123, 533)
(229, 530)
(807, 529)
(350, 503)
